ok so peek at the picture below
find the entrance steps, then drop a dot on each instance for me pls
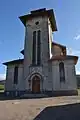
(41, 95)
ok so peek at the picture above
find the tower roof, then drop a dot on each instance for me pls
(40, 12)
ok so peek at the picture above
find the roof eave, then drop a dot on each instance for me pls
(68, 57)
(14, 61)
(53, 43)
(50, 14)
(22, 51)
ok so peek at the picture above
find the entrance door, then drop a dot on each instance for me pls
(36, 84)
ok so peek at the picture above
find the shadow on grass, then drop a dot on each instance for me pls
(63, 112)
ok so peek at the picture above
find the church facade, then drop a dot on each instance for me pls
(45, 67)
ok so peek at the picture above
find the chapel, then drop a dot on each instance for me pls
(45, 67)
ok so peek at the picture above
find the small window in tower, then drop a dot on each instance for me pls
(37, 23)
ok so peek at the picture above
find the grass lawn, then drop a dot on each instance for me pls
(1, 88)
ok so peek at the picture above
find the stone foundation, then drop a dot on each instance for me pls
(14, 93)
(62, 93)
(48, 93)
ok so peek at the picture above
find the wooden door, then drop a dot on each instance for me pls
(36, 84)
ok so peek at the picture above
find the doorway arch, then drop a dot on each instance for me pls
(36, 84)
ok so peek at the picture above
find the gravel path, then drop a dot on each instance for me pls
(41, 109)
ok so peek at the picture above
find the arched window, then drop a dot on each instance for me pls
(62, 72)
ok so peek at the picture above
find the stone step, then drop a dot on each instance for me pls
(33, 96)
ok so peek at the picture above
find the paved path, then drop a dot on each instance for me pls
(55, 108)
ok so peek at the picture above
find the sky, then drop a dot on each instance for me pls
(67, 14)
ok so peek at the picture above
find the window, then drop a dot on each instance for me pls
(16, 75)
(73, 70)
(36, 51)
(62, 72)
(37, 23)
(38, 48)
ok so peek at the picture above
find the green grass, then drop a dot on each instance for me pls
(1, 87)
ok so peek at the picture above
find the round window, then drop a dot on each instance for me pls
(37, 23)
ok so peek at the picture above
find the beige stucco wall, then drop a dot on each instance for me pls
(70, 76)
(56, 50)
(9, 85)
(9, 78)
(49, 85)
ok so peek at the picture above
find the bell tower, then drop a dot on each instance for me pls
(39, 25)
